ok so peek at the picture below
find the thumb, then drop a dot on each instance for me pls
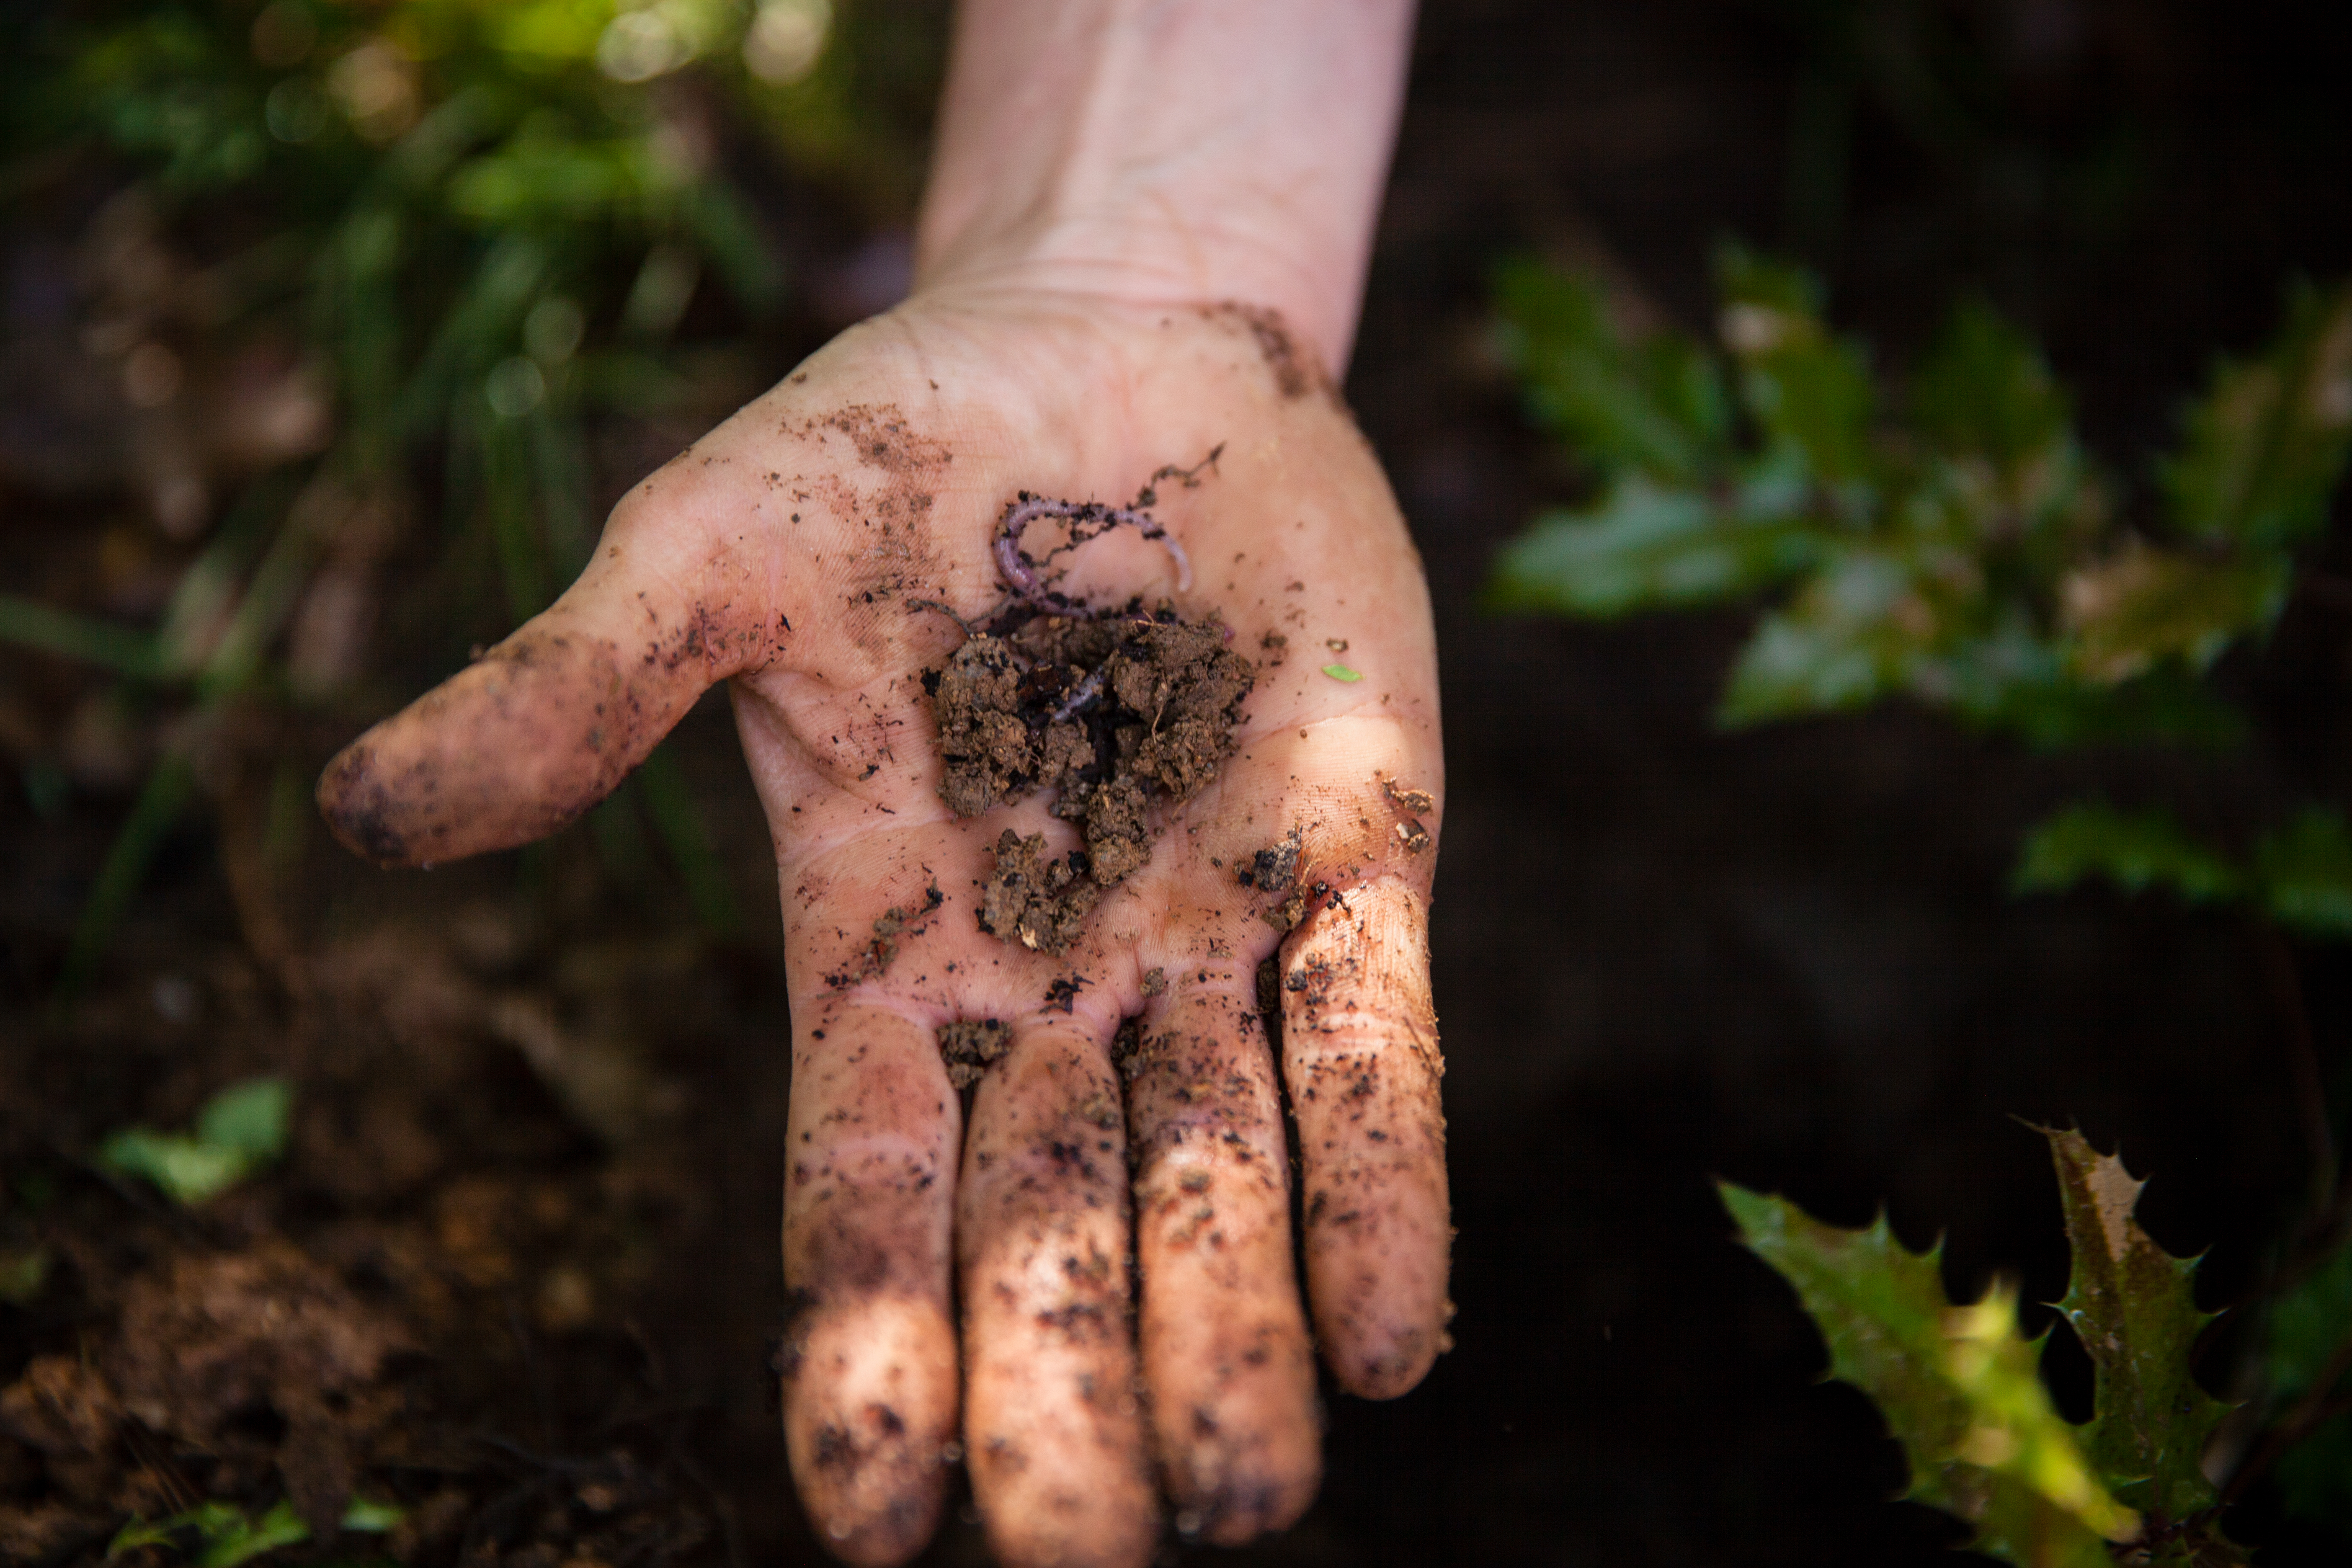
(549, 721)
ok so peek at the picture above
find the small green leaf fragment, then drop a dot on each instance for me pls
(281, 1526)
(183, 1169)
(24, 1274)
(1341, 672)
(1958, 1385)
(372, 1518)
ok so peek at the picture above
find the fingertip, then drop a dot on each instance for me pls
(358, 809)
(870, 1421)
(1383, 1360)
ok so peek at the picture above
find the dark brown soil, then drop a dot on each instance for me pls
(971, 1045)
(1115, 715)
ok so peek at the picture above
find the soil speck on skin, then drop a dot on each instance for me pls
(1128, 1048)
(1273, 871)
(1405, 798)
(971, 1045)
(1114, 714)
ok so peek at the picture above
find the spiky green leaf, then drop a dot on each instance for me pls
(2134, 1307)
(1958, 1385)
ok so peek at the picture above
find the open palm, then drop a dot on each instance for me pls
(796, 551)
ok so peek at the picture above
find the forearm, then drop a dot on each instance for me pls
(1175, 150)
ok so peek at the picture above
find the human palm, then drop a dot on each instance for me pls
(818, 549)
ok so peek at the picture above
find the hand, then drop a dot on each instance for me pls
(784, 553)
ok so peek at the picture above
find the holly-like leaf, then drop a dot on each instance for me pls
(2139, 607)
(1807, 389)
(1958, 1385)
(1656, 407)
(2135, 850)
(2134, 1307)
(2266, 446)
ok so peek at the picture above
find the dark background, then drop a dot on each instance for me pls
(1664, 953)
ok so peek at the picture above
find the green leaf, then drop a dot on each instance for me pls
(1859, 630)
(2305, 870)
(2265, 448)
(2135, 850)
(1646, 546)
(183, 1169)
(2134, 1307)
(1956, 1385)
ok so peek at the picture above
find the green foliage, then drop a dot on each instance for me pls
(480, 228)
(240, 1131)
(1956, 1385)
(1959, 1388)
(2305, 1360)
(221, 1535)
(2299, 875)
(1957, 548)
(2135, 850)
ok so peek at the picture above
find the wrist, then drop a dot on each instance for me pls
(1198, 152)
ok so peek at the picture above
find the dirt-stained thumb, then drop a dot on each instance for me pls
(543, 726)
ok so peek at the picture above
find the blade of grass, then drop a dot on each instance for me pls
(28, 623)
(150, 821)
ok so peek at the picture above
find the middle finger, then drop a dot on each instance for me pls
(1053, 1424)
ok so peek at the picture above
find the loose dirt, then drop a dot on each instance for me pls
(971, 1045)
(1115, 711)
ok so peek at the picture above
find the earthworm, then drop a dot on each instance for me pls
(1088, 519)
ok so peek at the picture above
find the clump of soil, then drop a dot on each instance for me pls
(970, 1046)
(1114, 711)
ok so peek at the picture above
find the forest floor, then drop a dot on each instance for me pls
(518, 1272)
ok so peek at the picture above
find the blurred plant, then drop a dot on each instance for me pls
(440, 238)
(240, 1133)
(1961, 550)
(1959, 1389)
(221, 1535)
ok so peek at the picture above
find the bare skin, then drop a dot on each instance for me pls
(785, 553)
